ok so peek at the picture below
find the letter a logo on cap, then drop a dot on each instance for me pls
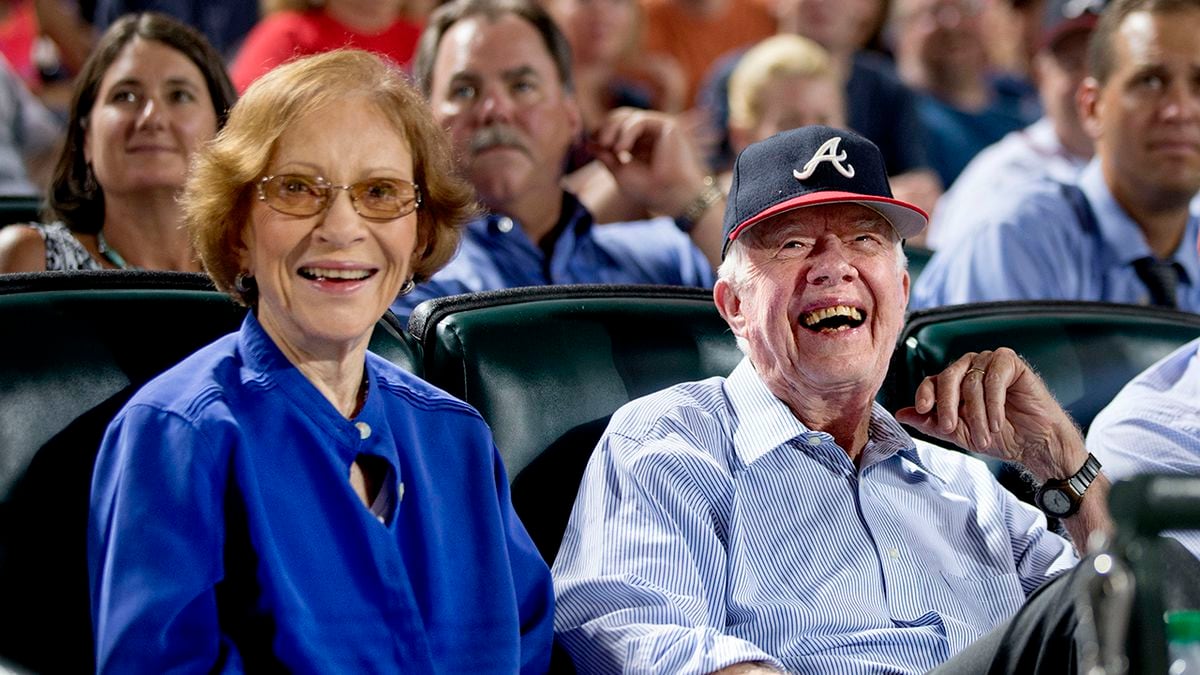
(828, 152)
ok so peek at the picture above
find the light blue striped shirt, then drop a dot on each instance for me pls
(1153, 425)
(1036, 248)
(712, 528)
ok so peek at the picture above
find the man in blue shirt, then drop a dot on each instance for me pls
(498, 76)
(1054, 147)
(964, 108)
(779, 519)
(1124, 232)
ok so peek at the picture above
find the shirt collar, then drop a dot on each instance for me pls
(574, 217)
(764, 423)
(1123, 240)
(265, 366)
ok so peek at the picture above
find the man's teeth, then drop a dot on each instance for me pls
(329, 273)
(819, 315)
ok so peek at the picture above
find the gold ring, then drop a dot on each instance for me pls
(981, 371)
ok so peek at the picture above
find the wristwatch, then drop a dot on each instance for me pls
(696, 208)
(1061, 498)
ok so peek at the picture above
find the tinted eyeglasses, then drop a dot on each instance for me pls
(374, 198)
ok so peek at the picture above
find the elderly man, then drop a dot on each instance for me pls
(1124, 232)
(780, 519)
(498, 76)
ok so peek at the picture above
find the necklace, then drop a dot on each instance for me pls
(110, 253)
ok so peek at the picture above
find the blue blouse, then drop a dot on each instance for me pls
(225, 535)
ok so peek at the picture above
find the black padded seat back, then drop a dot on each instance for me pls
(1085, 351)
(77, 346)
(19, 209)
(547, 366)
(918, 258)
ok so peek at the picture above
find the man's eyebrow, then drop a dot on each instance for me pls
(519, 72)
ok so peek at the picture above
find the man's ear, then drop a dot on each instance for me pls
(1088, 100)
(730, 306)
(574, 116)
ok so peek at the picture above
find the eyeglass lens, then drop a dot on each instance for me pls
(378, 198)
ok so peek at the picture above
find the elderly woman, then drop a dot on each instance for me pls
(283, 499)
(150, 95)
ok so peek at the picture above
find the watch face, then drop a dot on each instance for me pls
(1056, 501)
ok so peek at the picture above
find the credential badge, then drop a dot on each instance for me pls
(828, 152)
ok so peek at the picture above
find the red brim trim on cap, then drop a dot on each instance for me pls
(905, 227)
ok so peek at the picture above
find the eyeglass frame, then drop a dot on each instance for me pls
(325, 183)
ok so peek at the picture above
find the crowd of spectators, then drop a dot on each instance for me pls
(1056, 144)
(970, 101)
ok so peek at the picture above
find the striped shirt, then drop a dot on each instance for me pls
(712, 528)
(1153, 425)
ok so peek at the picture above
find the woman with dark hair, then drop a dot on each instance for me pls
(283, 500)
(151, 94)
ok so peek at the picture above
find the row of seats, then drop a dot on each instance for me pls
(545, 366)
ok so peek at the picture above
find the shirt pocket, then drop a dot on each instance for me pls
(987, 600)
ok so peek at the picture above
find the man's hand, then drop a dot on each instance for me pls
(656, 165)
(651, 158)
(993, 403)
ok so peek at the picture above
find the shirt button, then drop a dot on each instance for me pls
(505, 224)
(364, 430)
(812, 439)
(894, 553)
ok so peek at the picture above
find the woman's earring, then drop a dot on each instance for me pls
(89, 180)
(407, 287)
(243, 283)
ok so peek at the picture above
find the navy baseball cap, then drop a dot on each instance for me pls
(1063, 18)
(809, 166)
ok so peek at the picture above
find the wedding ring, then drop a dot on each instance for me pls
(981, 371)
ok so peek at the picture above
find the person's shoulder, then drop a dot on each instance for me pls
(22, 249)
(643, 238)
(654, 251)
(193, 386)
(415, 392)
(1034, 209)
(685, 410)
(287, 18)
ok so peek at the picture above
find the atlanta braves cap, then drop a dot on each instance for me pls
(808, 166)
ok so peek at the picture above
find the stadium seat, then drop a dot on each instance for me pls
(19, 209)
(78, 345)
(547, 367)
(1086, 351)
(918, 258)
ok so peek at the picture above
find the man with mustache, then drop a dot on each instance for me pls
(1124, 231)
(779, 519)
(498, 77)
